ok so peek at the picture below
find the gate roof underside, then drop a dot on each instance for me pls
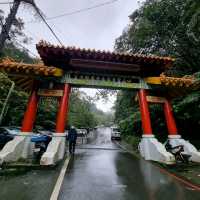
(92, 61)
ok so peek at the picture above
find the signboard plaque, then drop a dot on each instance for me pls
(50, 93)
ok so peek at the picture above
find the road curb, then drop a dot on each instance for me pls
(58, 185)
(164, 171)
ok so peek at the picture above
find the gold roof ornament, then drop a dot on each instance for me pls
(23, 74)
(11, 67)
(176, 86)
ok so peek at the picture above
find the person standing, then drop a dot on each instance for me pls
(72, 136)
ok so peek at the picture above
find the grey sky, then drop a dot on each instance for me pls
(97, 28)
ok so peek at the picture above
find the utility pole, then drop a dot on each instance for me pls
(9, 21)
(11, 17)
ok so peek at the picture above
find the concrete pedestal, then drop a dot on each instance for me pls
(19, 147)
(55, 150)
(151, 149)
(189, 149)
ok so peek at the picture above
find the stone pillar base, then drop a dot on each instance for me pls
(189, 149)
(19, 147)
(55, 150)
(151, 149)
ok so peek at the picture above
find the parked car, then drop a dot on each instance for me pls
(115, 133)
(7, 134)
(41, 139)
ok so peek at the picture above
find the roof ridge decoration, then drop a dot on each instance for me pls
(11, 67)
(178, 82)
(111, 62)
(43, 43)
(189, 82)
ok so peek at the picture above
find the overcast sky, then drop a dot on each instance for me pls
(96, 28)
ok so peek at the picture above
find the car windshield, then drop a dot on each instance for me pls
(115, 129)
(12, 130)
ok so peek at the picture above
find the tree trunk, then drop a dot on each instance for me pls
(9, 21)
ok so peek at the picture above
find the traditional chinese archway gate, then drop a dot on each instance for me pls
(70, 67)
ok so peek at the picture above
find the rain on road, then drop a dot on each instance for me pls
(102, 171)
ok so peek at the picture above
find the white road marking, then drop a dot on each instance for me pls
(56, 190)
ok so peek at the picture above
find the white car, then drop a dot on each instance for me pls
(81, 132)
(115, 133)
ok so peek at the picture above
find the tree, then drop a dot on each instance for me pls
(83, 113)
(11, 19)
(16, 104)
(166, 28)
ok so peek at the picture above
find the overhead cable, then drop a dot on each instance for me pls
(6, 2)
(79, 11)
(49, 27)
(18, 42)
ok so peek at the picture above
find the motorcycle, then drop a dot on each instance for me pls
(178, 152)
(41, 144)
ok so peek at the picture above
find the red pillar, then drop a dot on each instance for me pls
(63, 110)
(31, 110)
(171, 124)
(145, 115)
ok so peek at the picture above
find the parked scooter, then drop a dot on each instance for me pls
(41, 144)
(178, 152)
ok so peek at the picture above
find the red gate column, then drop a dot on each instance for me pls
(31, 110)
(144, 109)
(63, 110)
(171, 124)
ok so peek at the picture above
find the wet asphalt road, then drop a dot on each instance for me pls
(32, 185)
(102, 171)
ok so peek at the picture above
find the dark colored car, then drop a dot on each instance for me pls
(7, 134)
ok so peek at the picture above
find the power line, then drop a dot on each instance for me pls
(17, 41)
(67, 14)
(43, 19)
(6, 2)
(78, 11)
(83, 9)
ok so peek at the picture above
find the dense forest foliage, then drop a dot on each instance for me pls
(82, 112)
(165, 28)
(161, 27)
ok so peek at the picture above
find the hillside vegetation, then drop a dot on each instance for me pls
(82, 112)
(165, 28)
